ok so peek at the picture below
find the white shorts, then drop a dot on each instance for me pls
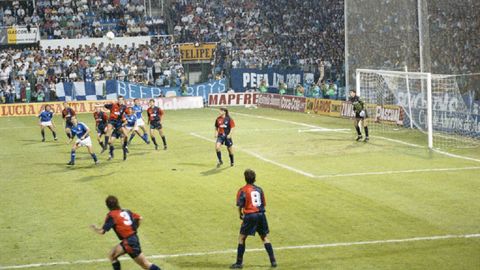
(46, 124)
(140, 122)
(85, 142)
(130, 128)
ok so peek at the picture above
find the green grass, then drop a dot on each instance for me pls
(189, 206)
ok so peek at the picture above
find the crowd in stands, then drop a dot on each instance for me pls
(31, 74)
(390, 39)
(60, 19)
(269, 33)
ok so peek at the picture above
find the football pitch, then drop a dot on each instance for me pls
(332, 203)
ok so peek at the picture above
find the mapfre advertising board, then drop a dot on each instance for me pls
(232, 99)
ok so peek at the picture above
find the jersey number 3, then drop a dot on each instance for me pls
(256, 198)
(126, 218)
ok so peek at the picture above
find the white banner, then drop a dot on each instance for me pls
(22, 35)
(232, 99)
(75, 43)
(179, 103)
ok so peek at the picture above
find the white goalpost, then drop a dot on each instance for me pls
(417, 101)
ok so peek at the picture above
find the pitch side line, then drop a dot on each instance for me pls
(261, 157)
(380, 137)
(232, 251)
(398, 172)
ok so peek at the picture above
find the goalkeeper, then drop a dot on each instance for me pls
(360, 115)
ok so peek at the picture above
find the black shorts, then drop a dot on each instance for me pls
(117, 133)
(115, 123)
(101, 129)
(155, 125)
(255, 222)
(131, 245)
(68, 124)
(224, 140)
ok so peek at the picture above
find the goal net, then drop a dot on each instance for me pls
(427, 108)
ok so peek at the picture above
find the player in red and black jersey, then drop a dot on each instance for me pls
(251, 206)
(155, 119)
(115, 119)
(67, 114)
(224, 125)
(101, 122)
(125, 224)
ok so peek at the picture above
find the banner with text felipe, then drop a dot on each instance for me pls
(232, 99)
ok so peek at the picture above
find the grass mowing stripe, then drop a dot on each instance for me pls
(232, 251)
(336, 130)
(261, 157)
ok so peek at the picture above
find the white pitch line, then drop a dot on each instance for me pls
(232, 251)
(261, 158)
(398, 172)
(456, 156)
(322, 130)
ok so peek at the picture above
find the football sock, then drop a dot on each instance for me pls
(131, 137)
(43, 134)
(125, 144)
(219, 156)
(154, 141)
(72, 156)
(240, 252)
(116, 265)
(107, 138)
(231, 158)
(358, 130)
(145, 137)
(164, 140)
(154, 267)
(366, 131)
(269, 249)
(94, 157)
(111, 150)
(54, 134)
(69, 135)
(101, 144)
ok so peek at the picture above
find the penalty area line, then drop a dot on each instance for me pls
(398, 172)
(232, 251)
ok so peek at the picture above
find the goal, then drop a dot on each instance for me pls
(426, 108)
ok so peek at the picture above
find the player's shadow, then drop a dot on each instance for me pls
(194, 164)
(208, 265)
(214, 171)
(136, 153)
(90, 178)
(30, 142)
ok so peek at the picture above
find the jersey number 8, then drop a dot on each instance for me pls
(126, 218)
(256, 198)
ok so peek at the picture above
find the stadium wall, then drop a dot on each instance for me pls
(34, 109)
(75, 43)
